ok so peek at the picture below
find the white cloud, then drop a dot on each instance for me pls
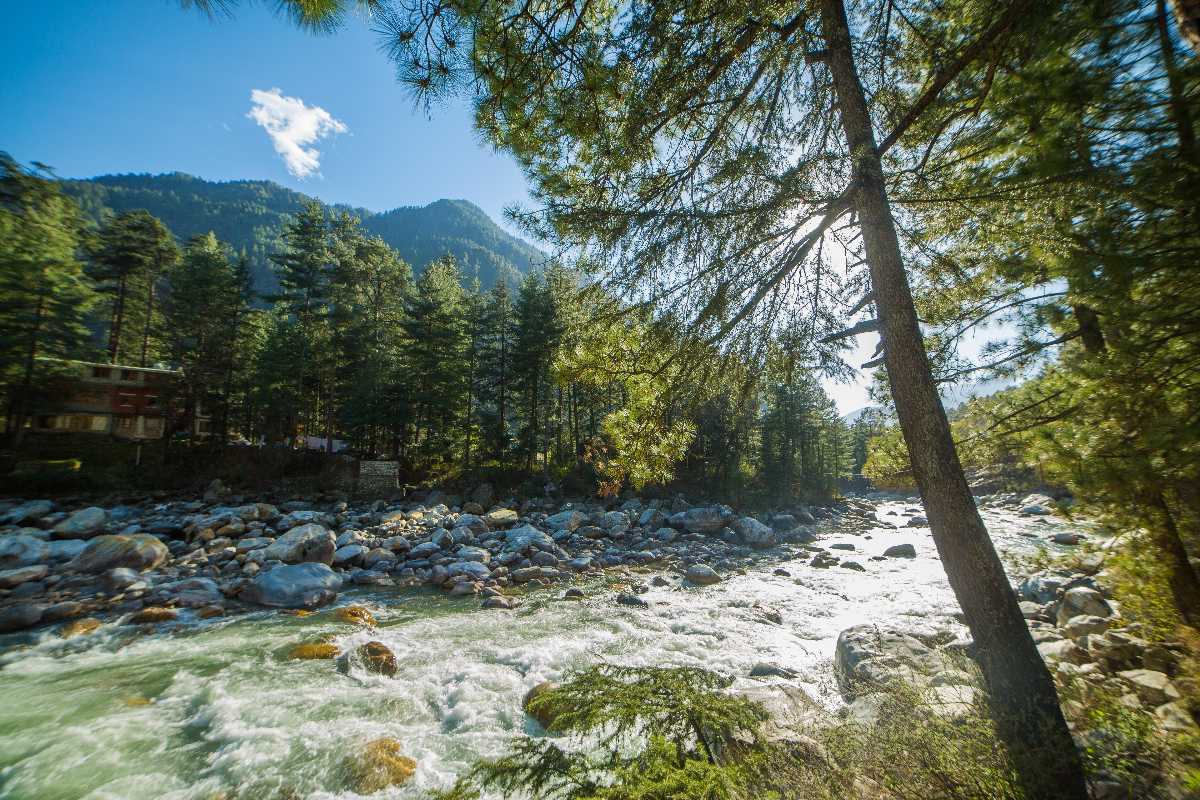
(291, 125)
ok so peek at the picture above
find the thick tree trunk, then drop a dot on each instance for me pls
(1185, 586)
(1021, 692)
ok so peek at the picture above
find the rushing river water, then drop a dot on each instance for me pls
(214, 709)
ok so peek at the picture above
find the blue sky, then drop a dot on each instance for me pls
(144, 86)
(114, 86)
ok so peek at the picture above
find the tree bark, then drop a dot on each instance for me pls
(18, 434)
(1021, 692)
(1185, 586)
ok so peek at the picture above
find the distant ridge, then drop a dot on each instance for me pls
(250, 215)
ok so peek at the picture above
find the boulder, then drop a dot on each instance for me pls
(1081, 601)
(1175, 718)
(1063, 650)
(472, 569)
(306, 585)
(567, 520)
(754, 533)
(1085, 624)
(12, 578)
(355, 615)
(66, 549)
(483, 495)
(308, 542)
(21, 550)
(82, 524)
(905, 550)
(140, 551)
(867, 657)
(19, 616)
(702, 575)
(295, 519)
(709, 519)
(467, 553)
(314, 651)
(1154, 688)
(501, 518)
(526, 536)
(377, 658)
(652, 519)
(349, 555)
(153, 615)
(378, 765)
(79, 627)
(1041, 588)
(615, 521)
(544, 710)
(27, 512)
(194, 592)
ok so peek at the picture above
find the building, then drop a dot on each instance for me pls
(123, 401)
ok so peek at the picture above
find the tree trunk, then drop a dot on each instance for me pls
(1020, 690)
(118, 318)
(149, 315)
(1185, 586)
(18, 434)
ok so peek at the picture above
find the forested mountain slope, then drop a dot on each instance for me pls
(250, 215)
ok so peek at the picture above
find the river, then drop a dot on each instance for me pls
(213, 709)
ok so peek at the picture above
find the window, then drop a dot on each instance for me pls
(126, 425)
(128, 399)
(101, 372)
(150, 401)
(99, 423)
(154, 427)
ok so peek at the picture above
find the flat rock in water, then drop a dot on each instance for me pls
(702, 575)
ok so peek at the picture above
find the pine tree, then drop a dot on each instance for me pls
(128, 258)
(44, 294)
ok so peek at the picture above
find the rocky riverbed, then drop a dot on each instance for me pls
(228, 648)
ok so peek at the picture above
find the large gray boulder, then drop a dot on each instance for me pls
(141, 551)
(567, 520)
(755, 533)
(82, 524)
(527, 536)
(1041, 588)
(709, 519)
(473, 569)
(310, 542)
(305, 585)
(1082, 601)
(866, 658)
(20, 550)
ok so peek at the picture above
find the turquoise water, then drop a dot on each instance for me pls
(213, 709)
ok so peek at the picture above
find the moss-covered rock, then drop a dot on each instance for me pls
(378, 658)
(153, 615)
(314, 651)
(542, 708)
(378, 765)
(79, 627)
(355, 615)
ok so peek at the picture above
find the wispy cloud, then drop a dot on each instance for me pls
(292, 125)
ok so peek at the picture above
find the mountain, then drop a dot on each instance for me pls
(250, 215)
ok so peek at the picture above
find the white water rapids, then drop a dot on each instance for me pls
(213, 709)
